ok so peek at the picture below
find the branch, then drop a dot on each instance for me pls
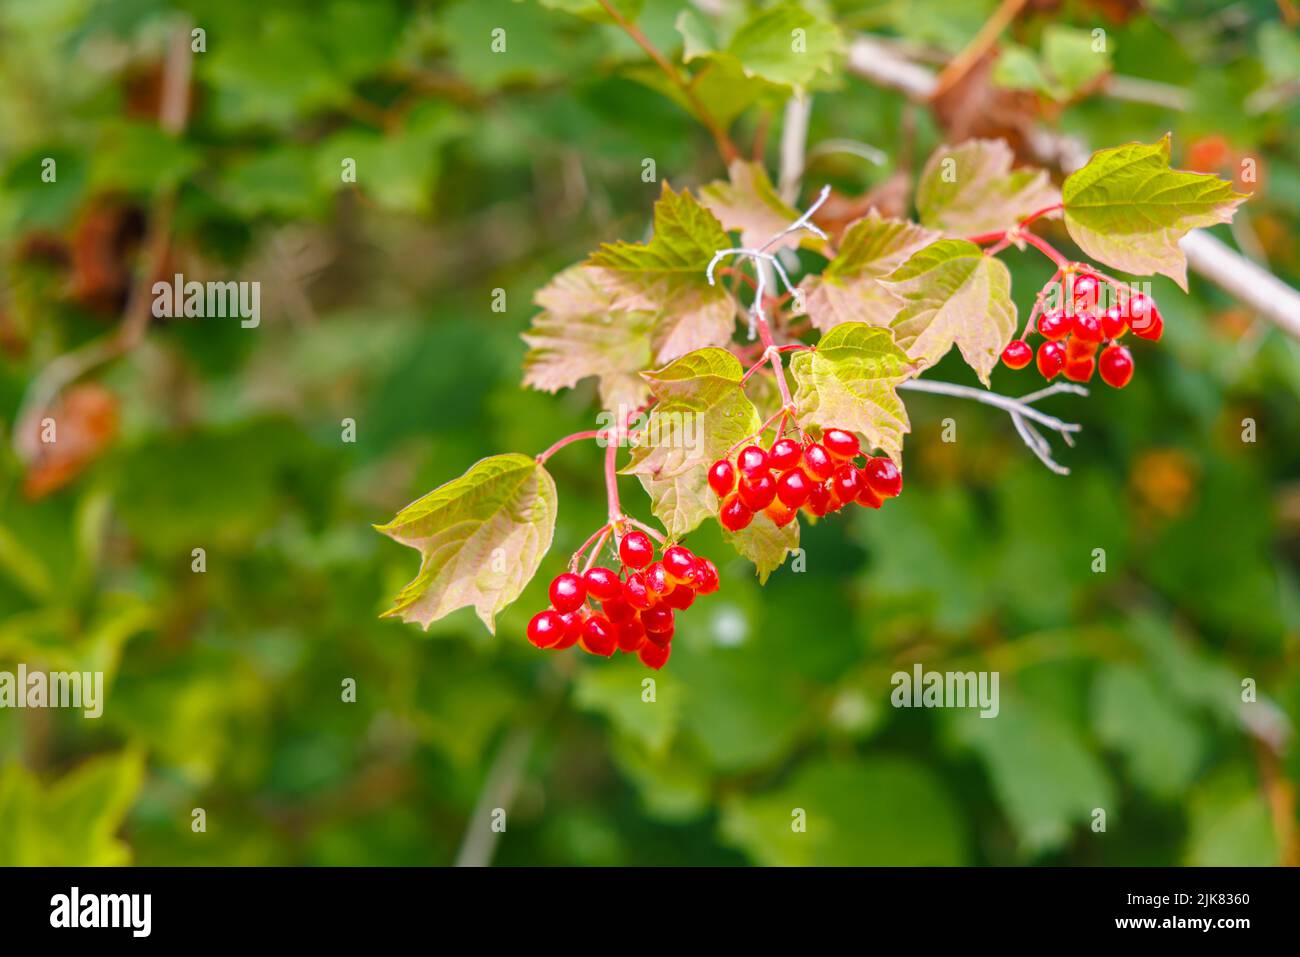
(1232, 272)
(726, 148)
(1020, 411)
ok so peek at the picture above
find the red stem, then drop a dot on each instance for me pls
(1047, 249)
(567, 440)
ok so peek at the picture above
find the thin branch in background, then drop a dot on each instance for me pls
(45, 388)
(1020, 410)
(979, 45)
(499, 790)
(726, 147)
(794, 138)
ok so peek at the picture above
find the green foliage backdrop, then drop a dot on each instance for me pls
(481, 171)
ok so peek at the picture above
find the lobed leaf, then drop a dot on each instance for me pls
(848, 289)
(581, 334)
(667, 276)
(970, 189)
(1126, 208)
(850, 382)
(701, 411)
(764, 544)
(748, 203)
(481, 538)
(954, 294)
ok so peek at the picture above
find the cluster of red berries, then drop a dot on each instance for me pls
(636, 608)
(819, 477)
(1072, 338)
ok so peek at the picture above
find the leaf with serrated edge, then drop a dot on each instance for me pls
(971, 189)
(848, 289)
(580, 334)
(505, 502)
(764, 544)
(850, 382)
(1128, 209)
(954, 294)
(700, 412)
(748, 204)
(667, 276)
(765, 47)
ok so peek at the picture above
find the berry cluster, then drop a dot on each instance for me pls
(819, 477)
(1071, 337)
(635, 609)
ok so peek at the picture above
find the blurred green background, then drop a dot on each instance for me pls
(478, 171)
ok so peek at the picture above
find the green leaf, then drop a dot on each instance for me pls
(970, 189)
(880, 811)
(848, 289)
(1128, 209)
(667, 276)
(764, 544)
(1044, 777)
(749, 204)
(581, 334)
(786, 44)
(481, 538)
(74, 821)
(1135, 715)
(615, 691)
(850, 381)
(954, 295)
(1071, 60)
(700, 413)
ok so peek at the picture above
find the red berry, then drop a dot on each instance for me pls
(1054, 325)
(784, 454)
(1114, 323)
(635, 592)
(680, 598)
(679, 563)
(792, 488)
(1076, 348)
(883, 476)
(657, 620)
(1116, 366)
(833, 501)
(819, 500)
(867, 495)
(847, 482)
(780, 514)
(753, 460)
(734, 514)
(840, 444)
(573, 622)
(603, 583)
(1081, 369)
(567, 592)
(722, 477)
(653, 655)
(636, 550)
(709, 579)
(1087, 327)
(1051, 359)
(817, 462)
(546, 629)
(598, 637)
(656, 578)
(1017, 354)
(617, 609)
(1086, 287)
(1144, 318)
(630, 634)
(757, 491)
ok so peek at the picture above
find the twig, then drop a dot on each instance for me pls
(978, 46)
(726, 148)
(794, 138)
(1020, 411)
